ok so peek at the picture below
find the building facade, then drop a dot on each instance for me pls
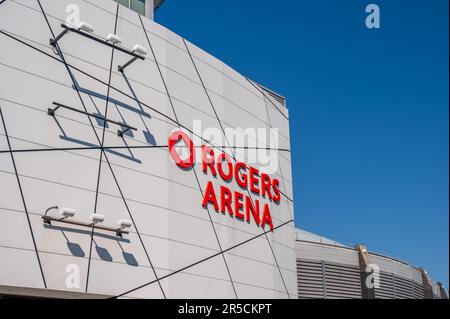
(329, 270)
(97, 197)
(92, 203)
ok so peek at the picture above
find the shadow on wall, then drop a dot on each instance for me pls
(77, 251)
(101, 120)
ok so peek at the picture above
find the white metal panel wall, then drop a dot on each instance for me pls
(334, 254)
(171, 230)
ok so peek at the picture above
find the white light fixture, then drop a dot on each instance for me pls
(113, 38)
(84, 26)
(97, 218)
(67, 212)
(124, 223)
(139, 49)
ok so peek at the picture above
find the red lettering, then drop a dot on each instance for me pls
(241, 179)
(208, 160)
(224, 157)
(245, 176)
(210, 197)
(254, 181)
(265, 185)
(253, 209)
(277, 196)
(238, 205)
(266, 218)
(225, 200)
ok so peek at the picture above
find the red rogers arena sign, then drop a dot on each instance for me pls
(223, 200)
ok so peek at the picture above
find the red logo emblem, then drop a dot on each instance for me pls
(173, 140)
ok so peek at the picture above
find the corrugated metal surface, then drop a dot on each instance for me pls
(403, 288)
(342, 281)
(395, 287)
(329, 270)
(320, 279)
(398, 280)
(418, 290)
(310, 279)
(386, 289)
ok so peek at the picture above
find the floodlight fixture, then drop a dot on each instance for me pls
(124, 223)
(113, 38)
(97, 218)
(139, 52)
(66, 212)
(84, 26)
(139, 49)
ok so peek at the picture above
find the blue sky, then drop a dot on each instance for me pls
(369, 110)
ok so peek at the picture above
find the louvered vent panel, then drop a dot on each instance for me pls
(403, 288)
(309, 279)
(395, 287)
(386, 289)
(342, 282)
(418, 291)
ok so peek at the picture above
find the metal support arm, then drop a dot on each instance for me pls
(52, 112)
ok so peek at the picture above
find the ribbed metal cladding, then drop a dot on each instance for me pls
(310, 279)
(386, 289)
(403, 288)
(328, 270)
(418, 290)
(319, 280)
(342, 281)
(395, 287)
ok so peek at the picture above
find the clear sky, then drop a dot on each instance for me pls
(369, 110)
